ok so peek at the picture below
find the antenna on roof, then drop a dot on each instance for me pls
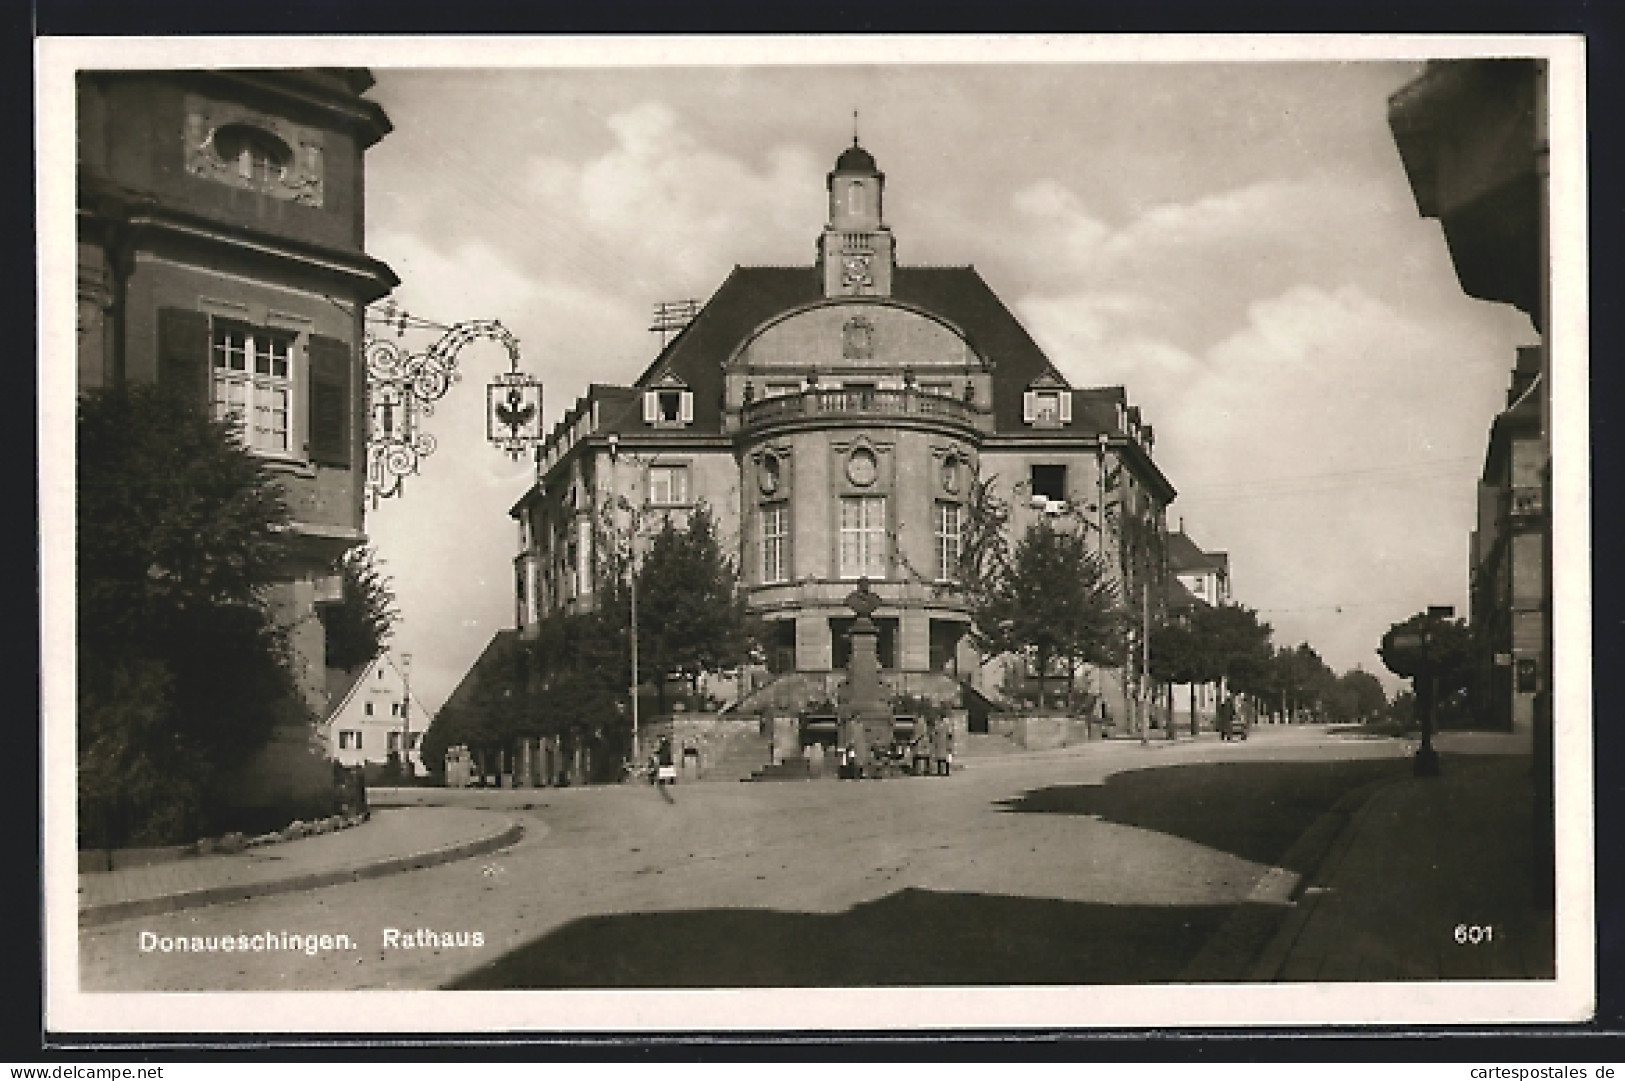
(854, 127)
(672, 316)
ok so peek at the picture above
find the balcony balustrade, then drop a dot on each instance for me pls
(865, 403)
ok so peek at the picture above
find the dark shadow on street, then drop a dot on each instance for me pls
(1255, 810)
(909, 938)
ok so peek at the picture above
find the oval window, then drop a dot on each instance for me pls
(257, 154)
(861, 467)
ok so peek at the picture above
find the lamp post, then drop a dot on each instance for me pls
(635, 514)
(406, 713)
(1419, 643)
(633, 690)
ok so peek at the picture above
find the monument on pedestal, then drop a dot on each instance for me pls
(866, 718)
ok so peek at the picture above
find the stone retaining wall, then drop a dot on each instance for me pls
(1039, 732)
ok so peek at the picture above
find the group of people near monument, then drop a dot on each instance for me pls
(929, 751)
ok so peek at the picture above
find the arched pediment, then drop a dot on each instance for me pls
(885, 335)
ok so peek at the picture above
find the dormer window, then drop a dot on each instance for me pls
(670, 406)
(1047, 407)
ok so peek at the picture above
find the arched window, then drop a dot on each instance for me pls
(854, 198)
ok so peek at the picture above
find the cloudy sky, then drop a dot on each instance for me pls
(1235, 243)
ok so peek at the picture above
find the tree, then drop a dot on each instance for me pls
(691, 617)
(1244, 645)
(1177, 656)
(1055, 598)
(1213, 643)
(1301, 679)
(181, 672)
(358, 627)
(1357, 696)
(1402, 710)
(984, 550)
(1439, 673)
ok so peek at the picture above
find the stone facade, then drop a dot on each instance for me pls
(834, 419)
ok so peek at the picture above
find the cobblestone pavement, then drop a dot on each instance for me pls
(822, 883)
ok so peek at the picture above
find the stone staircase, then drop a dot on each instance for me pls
(798, 768)
(739, 757)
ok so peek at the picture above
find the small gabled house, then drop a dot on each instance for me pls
(374, 717)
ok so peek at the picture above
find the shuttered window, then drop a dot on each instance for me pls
(330, 401)
(668, 407)
(1046, 408)
(253, 383)
(183, 353)
(249, 374)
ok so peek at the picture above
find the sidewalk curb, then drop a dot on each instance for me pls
(1272, 959)
(101, 915)
(1249, 945)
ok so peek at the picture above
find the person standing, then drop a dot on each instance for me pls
(859, 746)
(665, 767)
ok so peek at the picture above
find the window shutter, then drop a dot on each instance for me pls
(685, 407)
(1066, 407)
(1029, 406)
(329, 401)
(651, 407)
(183, 354)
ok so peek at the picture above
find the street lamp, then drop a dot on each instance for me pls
(636, 515)
(1419, 644)
(406, 713)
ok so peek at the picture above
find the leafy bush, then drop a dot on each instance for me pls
(182, 673)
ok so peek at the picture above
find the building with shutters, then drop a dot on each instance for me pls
(220, 251)
(834, 418)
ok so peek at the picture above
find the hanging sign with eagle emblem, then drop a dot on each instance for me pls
(513, 412)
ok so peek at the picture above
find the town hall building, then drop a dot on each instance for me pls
(835, 419)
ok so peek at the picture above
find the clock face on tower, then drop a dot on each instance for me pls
(855, 270)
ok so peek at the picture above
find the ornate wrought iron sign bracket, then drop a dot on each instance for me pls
(403, 387)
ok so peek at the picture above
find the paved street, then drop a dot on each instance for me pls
(1075, 866)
